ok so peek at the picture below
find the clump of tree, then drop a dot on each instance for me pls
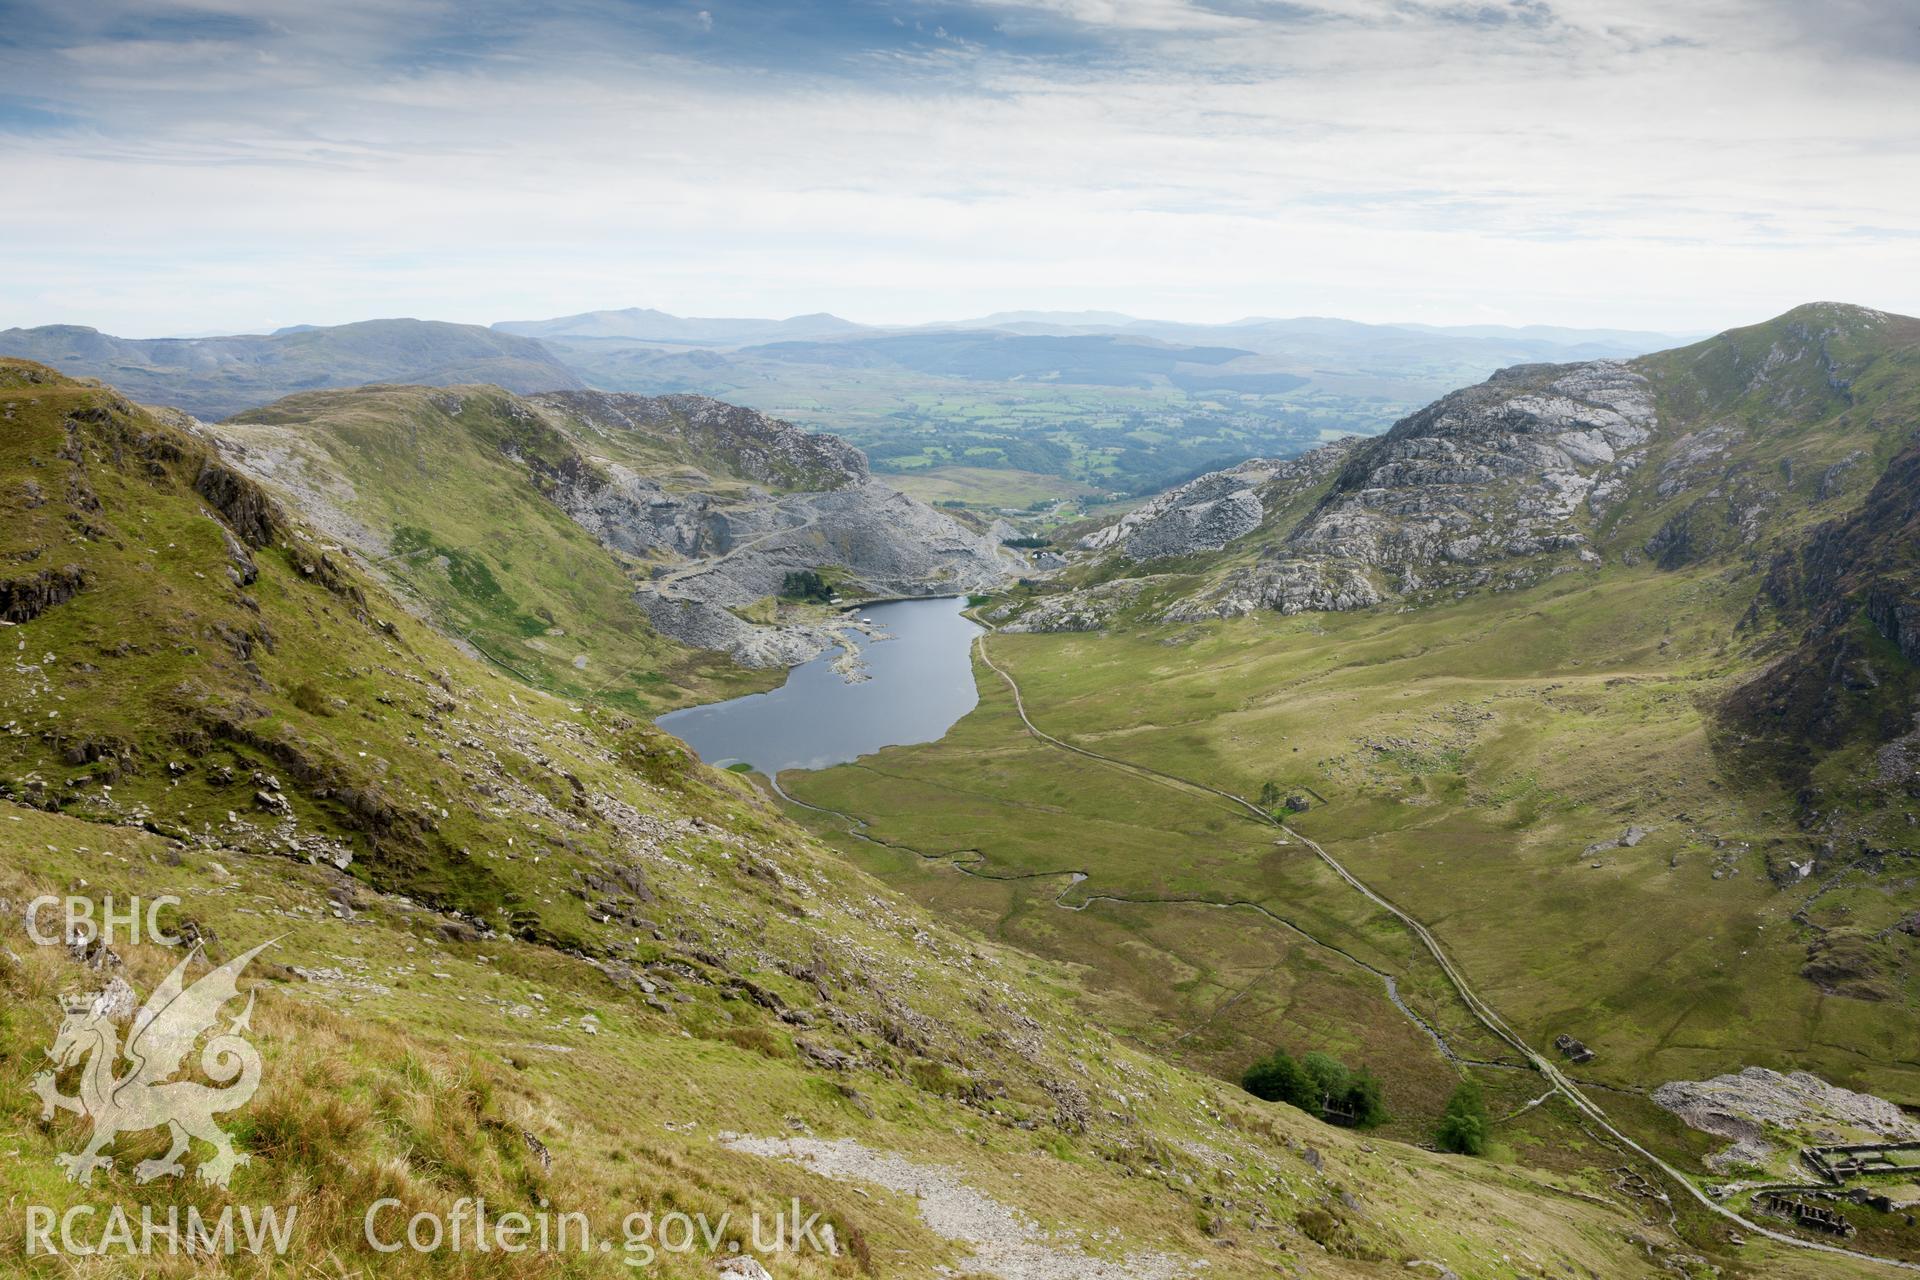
(1320, 1085)
(1463, 1128)
(805, 584)
(1026, 543)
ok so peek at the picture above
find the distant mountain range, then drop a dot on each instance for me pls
(640, 348)
(216, 377)
(645, 350)
(643, 324)
(1088, 400)
(1098, 399)
(1258, 334)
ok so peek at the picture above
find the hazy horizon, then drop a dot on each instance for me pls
(1009, 316)
(194, 166)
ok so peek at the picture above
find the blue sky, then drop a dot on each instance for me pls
(221, 165)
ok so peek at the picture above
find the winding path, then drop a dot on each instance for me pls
(970, 861)
(667, 585)
(1486, 1015)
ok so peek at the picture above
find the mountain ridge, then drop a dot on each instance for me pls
(1783, 451)
(215, 377)
(1561, 450)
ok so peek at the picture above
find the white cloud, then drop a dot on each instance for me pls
(1136, 15)
(1613, 162)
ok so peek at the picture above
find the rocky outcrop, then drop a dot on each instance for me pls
(742, 441)
(1283, 586)
(24, 599)
(241, 503)
(1089, 610)
(1202, 515)
(1208, 513)
(634, 513)
(1494, 485)
(1894, 610)
(1756, 1103)
(708, 626)
(1505, 471)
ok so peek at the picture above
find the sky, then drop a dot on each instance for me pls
(196, 166)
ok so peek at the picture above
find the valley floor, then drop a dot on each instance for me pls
(1481, 799)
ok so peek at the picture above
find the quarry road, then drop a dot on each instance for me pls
(1482, 1011)
(665, 585)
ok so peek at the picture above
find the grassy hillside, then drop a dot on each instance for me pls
(527, 950)
(439, 488)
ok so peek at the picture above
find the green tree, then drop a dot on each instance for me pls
(1320, 1085)
(1463, 1128)
(1278, 1078)
(805, 584)
(1364, 1101)
(1329, 1076)
(1269, 794)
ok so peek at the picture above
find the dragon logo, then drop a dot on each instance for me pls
(161, 1035)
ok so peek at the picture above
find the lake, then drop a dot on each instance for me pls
(922, 682)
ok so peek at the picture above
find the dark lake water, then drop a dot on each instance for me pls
(922, 681)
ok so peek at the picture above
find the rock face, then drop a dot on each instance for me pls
(737, 543)
(1854, 581)
(1218, 508)
(1202, 515)
(1750, 1106)
(741, 441)
(1494, 485)
(633, 513)
(1284, 586)
(1506, 471)
(889, 544)
(24, 599)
